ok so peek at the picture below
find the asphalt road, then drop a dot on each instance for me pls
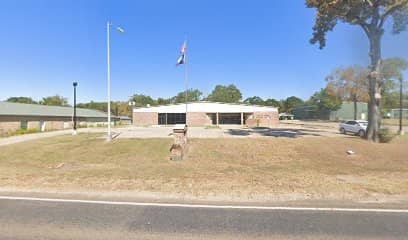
(22, 219)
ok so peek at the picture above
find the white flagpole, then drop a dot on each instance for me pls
(186, 76)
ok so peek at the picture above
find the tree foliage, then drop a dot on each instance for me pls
(101, 106)
(349, 84)
(321, 103)
(27, 100)
(290, 103)
(368, 14)
(142, 100)
(56, 100)
(163, 101)
(255, 100)
(392, 72)
(227, 94)
(193, 95)
(392, 69)
(272, 102)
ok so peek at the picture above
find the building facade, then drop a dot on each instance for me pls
(18, 116)
(206, 114)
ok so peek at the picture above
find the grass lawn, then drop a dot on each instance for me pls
(248, 169)
(395, 122)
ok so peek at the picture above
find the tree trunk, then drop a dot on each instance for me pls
(355, 107)
(374, 78)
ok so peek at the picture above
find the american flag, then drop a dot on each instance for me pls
(182, 58)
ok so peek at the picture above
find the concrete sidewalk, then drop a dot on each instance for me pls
(34, 136)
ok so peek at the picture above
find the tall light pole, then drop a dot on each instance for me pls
(108, 25)
(75, 84)
(131, 106)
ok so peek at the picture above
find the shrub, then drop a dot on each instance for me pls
(26, 131)
(386, 135)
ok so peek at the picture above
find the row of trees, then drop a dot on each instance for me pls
(227, 94)
(56, 100)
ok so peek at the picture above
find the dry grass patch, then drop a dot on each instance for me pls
(246, 169)
(394, 122)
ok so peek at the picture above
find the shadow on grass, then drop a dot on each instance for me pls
(238, 132)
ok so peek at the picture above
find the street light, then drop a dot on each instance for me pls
(75, 84)
(131, 106)
(119, 29)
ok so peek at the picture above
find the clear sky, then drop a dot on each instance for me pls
(260, 46)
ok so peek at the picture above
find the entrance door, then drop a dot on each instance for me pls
(172, 118)
(229, 118)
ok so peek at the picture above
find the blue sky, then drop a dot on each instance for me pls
(260, 46)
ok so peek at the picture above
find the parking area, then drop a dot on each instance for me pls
(284, 129)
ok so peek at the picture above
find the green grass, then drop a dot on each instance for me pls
(20, 132)
(212, 127)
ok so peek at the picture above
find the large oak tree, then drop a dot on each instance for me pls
(371, 16)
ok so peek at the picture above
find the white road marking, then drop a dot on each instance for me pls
(148, 204)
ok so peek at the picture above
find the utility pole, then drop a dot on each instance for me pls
(75, 84)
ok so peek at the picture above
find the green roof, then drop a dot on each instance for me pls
(20, 109)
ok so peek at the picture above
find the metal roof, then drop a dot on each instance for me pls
(207, 107)
(21, 109)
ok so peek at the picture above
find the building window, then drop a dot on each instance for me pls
(162, 118)
(171, 118)
(227, 118)
(23, 125)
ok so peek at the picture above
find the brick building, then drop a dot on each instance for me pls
(15, 116)
(206, 114)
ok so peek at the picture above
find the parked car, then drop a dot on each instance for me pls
(357, 127)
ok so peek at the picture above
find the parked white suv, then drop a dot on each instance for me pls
(358, 127)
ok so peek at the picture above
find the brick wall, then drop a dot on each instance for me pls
(33, 125)
(145, 118)
(54, 125)
(195, 119)
(8, 127)
(10, 124)
(262, 119)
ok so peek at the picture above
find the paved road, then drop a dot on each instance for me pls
(21, 219)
